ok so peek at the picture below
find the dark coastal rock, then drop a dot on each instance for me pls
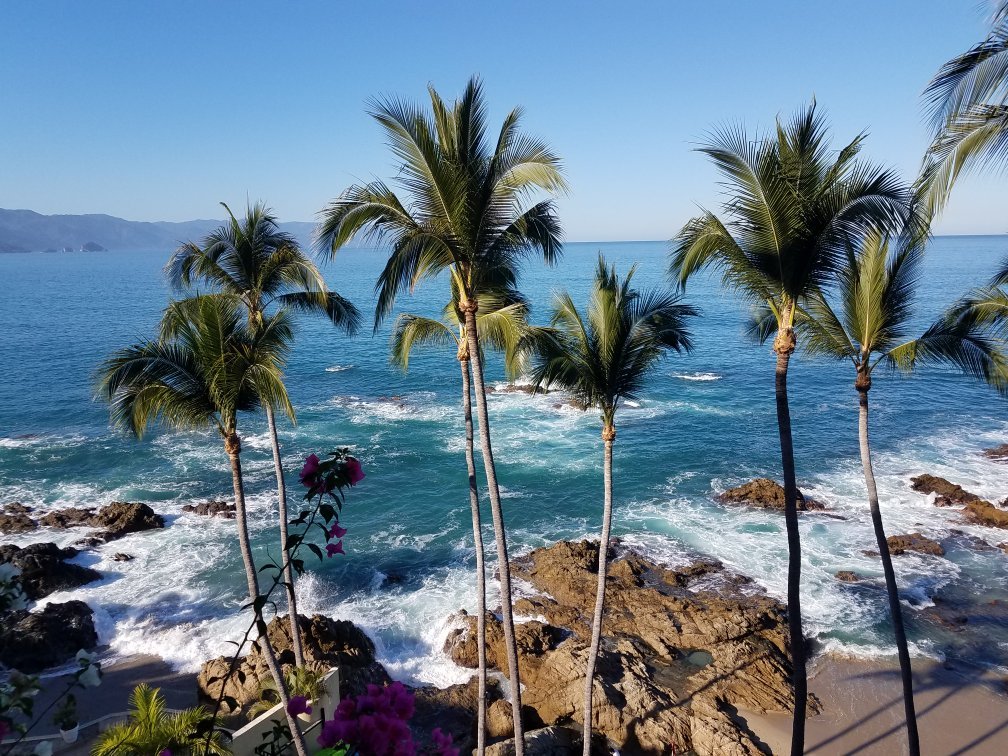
(997, 453)
(766, 494)
(120, 557)
(946, 493)
(984, 513)
(44, 568)
(674, 662)
(121, 518)
(116, 520)
(14, 518)
(327, 643)
(900, 544)
(1004, 547)
(947, 614)
(34, 641)
(70, 517)
(212, 509)
(546, 741)
(848, 576)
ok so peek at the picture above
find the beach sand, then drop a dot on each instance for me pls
(960, 710)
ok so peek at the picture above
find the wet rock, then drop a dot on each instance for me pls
(120, 557)
(945, 613)
(680, 648)
(34, 641)
(533, 639)
(14, 518)
(900, 544)
(70, 517)
(1003, 547)
(985, 513)
(121, 518)
(212, 509)
(998, 453)
(946, 493)
(44, 568)
(766, 494)
(848, 576)
(327, 643)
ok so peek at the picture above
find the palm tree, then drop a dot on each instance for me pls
(869, 326)
(212, 368)
(969, 112)
(465, 212)
(502, 322)
(792, 206)
(152, 729)
(253, 262)
(602, 360)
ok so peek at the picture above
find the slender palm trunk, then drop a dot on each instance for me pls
(890, 577)
(474, 504)
(608, 435)
(797, 638)
(232, 445)
(288, 575)
(498, 523)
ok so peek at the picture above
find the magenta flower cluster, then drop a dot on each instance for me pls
(320, 478)
(376, 724)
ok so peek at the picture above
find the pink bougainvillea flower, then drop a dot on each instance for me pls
(354, 471)
(442, 742)
(165, 752)
(332, 549)
(298, 705)
(4, 728)
(335, 531)
(310, 469)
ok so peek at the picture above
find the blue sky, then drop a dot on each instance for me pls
(158, 111)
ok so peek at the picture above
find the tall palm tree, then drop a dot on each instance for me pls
(466, 212)
(152, 728)
(603, 359)
(210, 370)
(502, 322)
(253, 262)
(869, 326)
(792, 206)
(968, 103)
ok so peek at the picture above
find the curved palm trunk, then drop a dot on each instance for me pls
(498, 523)
(608, 435)
(890, 577)
(288, 573)
(233, 447)
(796, 637)
(480, 568)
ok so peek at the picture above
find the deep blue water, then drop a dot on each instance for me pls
(705, 422)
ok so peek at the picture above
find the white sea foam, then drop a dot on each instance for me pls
(339, 368)
(703, 377)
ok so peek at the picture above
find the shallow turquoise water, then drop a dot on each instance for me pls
(705, 422)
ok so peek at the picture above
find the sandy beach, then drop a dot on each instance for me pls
(960, 710)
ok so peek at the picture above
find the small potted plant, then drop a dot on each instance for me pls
(66, 719)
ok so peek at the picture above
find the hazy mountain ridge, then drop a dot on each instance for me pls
(28, 231)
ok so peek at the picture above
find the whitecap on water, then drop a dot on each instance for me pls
(338, 368)
(702, 377)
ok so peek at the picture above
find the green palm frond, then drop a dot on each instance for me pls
(413, 330)
(464, 205)
(793, 207)
(152, 729)
(604, 357)
(210, 369)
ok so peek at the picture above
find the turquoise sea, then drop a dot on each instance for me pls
(705, 422)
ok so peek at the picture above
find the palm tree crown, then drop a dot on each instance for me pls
(251, 260)
(465, 199)
(604, 358)
(210, 369)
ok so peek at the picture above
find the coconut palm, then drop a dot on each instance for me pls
(211, 369)
(603, 359)
(968, 103)
(261, 267)
(869, 326)
(152, 729)
(464, 210)
(502, 323)
(792, 206)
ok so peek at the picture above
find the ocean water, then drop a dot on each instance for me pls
(705, 422)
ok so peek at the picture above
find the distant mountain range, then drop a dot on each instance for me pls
(28, 231)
